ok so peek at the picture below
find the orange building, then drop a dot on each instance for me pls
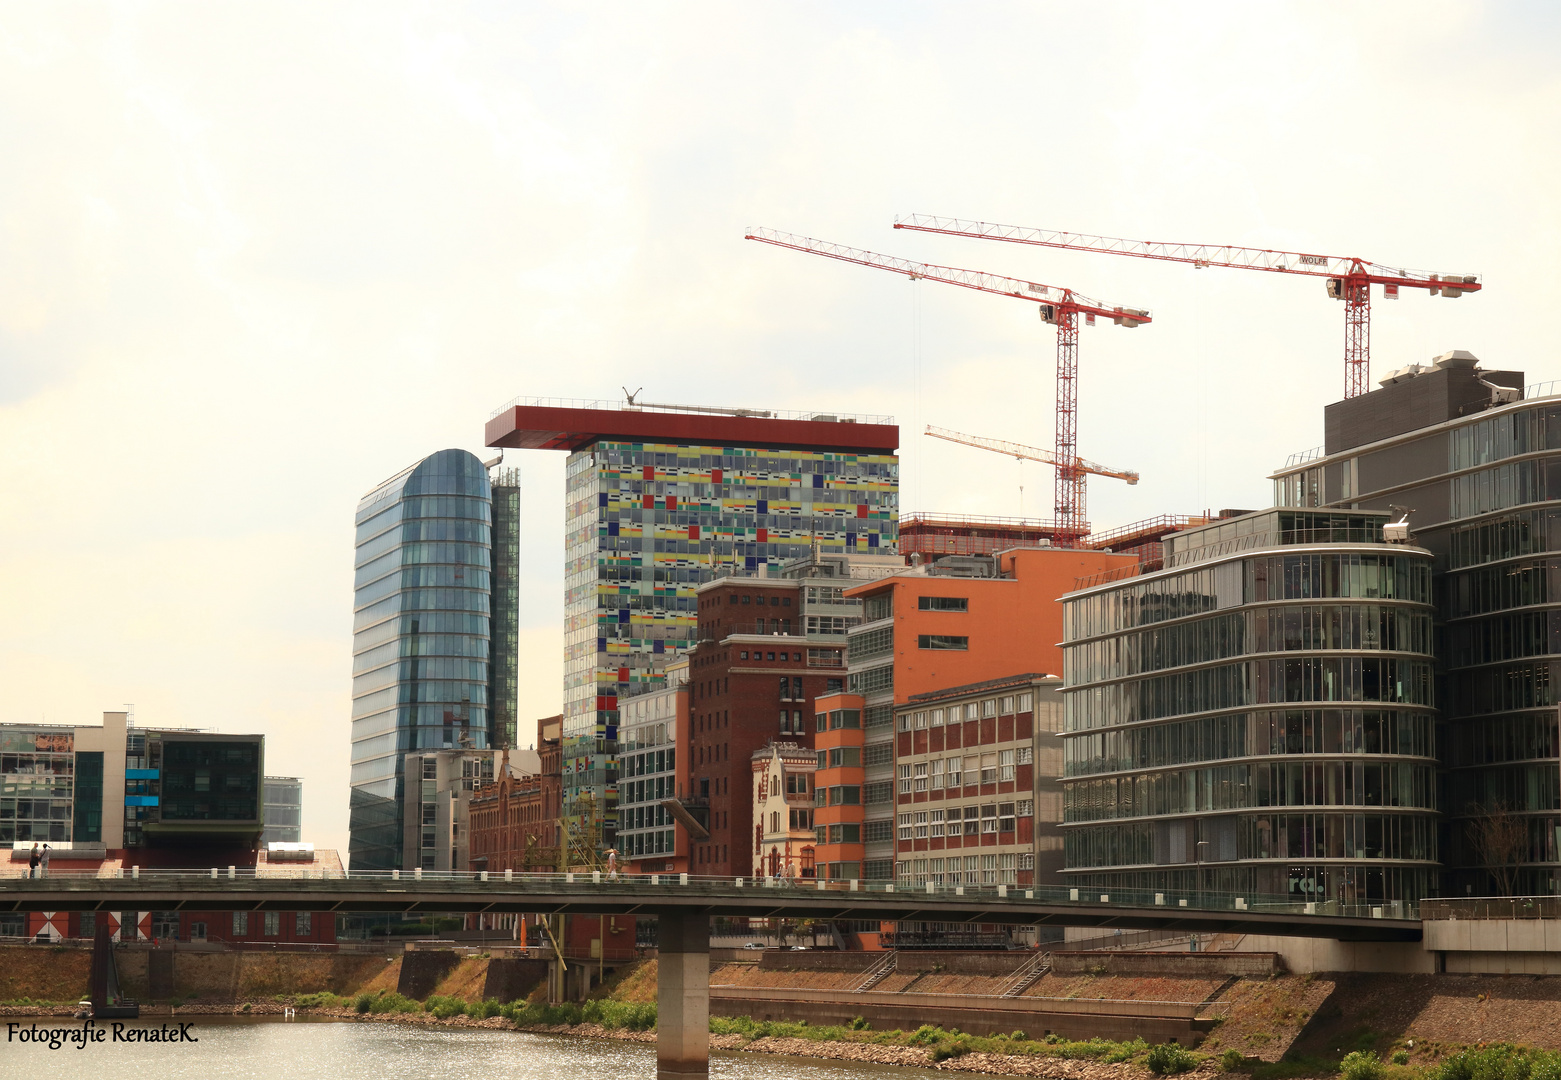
(954, 623)
(837, 786)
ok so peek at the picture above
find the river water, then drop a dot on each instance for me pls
(244, 1048)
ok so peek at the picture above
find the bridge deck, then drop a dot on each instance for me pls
(586, 894)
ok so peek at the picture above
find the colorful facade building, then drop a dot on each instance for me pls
(659, 499)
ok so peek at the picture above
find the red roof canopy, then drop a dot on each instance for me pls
(542, 427)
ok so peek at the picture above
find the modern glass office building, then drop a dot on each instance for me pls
(284, 806)
(1257, 719)
(1476, 457)
(662, 498)
(425, 669)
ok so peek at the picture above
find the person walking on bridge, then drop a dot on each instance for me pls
(612, 864)
(43, 862)
(32, 862)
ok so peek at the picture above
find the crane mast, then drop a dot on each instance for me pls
(1349, 278)
(1059, 306)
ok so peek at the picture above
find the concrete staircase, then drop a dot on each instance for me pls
(880, 971)
(1029, 975)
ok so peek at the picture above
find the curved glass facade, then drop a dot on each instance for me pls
(1257, 720)
(1486, 487)
(421, 636)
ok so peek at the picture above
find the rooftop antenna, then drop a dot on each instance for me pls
(632, 403)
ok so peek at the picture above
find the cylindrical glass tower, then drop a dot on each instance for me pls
(421, 637)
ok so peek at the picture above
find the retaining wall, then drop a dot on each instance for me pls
(1189, 965)
(421, 971)
(987, 1018)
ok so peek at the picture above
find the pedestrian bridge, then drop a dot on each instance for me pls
(683, 905)
(595, 893)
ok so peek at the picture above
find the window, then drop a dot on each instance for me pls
(935, 821)
(943, 603)
(972, 820)
(845, 795)
(937, 717)
(921, 721)
(1005, 765)
(953, 764)
(905, 779)
(935, 871)
(878, 754)
(872, 680)
(989, 818)
(989, 768)
(820, 796)
(921, 824)
(273, 921)
(972, 769)
(820, 721)
(989, 707)
(744, 654)
(823, 759)
(905, 870)
(796, 684)
(920, 776)
(882, 792)
(878, 715)
(769, 656)
(1005, 817)
(1026, 808)
(240, 923)
(747, 599)
(785, 684)
(1024, 702)
(845, 718)
(430, 769)
(904, 723)
(970, 711)
(879, 606)
(906, 826)
(937, 774)
(1026, 860)
(303, 923)
(849, 757)
(1007, 705)
(878, 870)
(875, 831)
(942, 641)
(1026, 755)
(989, 869)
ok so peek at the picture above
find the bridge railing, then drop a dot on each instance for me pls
(1492, 907)
(640, 884)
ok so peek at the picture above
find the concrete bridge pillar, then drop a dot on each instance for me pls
(683, 996)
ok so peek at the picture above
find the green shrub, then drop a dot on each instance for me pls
(633, 1016)
(483, 1010)
(1021, 1036)
(1401, 1057)
(391, 1002)
(926, 1035)
(444, 1007)
(1232, 1060)
(363, 1002)
(1361, 1065)
(1168, 1059)
(245, 1008)
(858, 1024)
(1499, 1061)
(952, 1049)
(323, 1000)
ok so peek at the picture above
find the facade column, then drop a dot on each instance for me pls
(683, 995)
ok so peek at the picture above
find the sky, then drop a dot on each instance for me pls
(254, 259)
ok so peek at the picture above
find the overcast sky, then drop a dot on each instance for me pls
(256, 258)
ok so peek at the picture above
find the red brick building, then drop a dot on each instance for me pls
(753, 678)
(514, 821)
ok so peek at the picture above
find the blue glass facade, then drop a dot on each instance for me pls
(422, 635)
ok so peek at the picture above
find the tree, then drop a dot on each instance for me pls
(1498, 839)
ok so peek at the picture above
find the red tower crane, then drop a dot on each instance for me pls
(1349, 279)
(1058, 306)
